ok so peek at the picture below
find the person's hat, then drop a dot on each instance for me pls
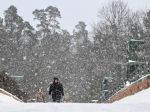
(55, 78)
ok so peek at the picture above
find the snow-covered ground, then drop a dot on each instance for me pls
(136, 103)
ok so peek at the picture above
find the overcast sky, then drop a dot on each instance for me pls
(72, 11)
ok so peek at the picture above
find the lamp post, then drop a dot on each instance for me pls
(134, 60)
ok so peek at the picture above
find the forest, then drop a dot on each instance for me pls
(84, 62)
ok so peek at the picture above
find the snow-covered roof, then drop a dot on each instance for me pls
(137, 40)
(131, 61)
(135, 62)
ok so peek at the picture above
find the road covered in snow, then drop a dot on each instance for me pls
(71, 107)
(139, 102)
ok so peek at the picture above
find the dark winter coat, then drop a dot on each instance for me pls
(56, 90)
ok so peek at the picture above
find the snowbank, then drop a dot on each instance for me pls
(140, 97)
(7, 99)
(131, 88)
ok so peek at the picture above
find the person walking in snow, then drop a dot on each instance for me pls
(56, 90)
(40, 95)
